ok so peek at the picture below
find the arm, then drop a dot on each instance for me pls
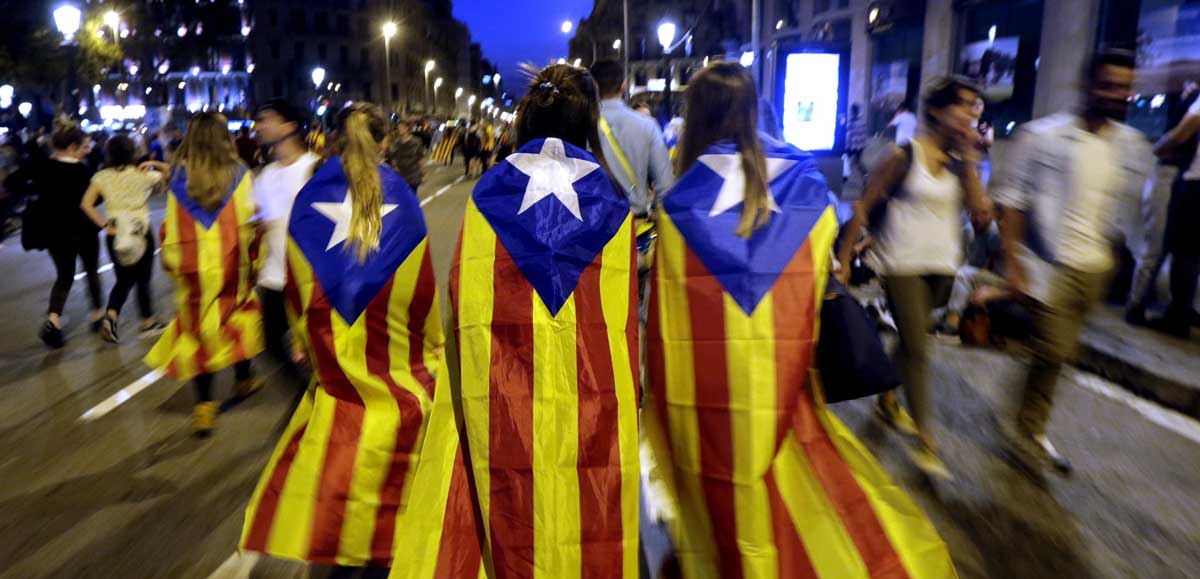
(1014, 194)
(161, 167)
(662, 175)
(1176, 137)
(88, 205)
(878, 188)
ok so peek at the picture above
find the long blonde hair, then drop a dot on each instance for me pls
(722, 104)
(210, 159)
(361, 127)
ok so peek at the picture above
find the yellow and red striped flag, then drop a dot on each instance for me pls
(768, 483)
(211, 256)
(367, 465)
(545, 311)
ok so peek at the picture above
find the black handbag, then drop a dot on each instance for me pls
(850, 355)
(34, 233)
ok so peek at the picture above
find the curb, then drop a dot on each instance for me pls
(1105, 358)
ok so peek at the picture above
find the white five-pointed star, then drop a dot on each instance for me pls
(339, 214)
(733, 189)
(552, 172)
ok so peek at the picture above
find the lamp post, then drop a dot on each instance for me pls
(67, 19)
(470, 104)
(566, 27)
(436, 84)
(666, 36)
(113, 21)
(318, 76)
(425, 89)
(389, 30)
(457, 93)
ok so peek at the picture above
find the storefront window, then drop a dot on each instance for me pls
(1168, 42)
(999, 49)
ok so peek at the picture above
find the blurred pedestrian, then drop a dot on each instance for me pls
(923, 187)
(733, 409)
(124, 188)
(246, 147)
(280, 126)
(1183, 224)
(405, 155)
(363, 472)
(210, 244)
(531, 380)
(68, 234)
(987, 136)
(856, 141)
(472, 145)
(1067, 178)
(905, 124)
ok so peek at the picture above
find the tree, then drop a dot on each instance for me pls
(34, 58)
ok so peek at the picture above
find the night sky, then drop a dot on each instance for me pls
(513, 32)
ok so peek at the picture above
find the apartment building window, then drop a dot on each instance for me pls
(273, 17)
(277, 86)
(321, 22)
(322, 51)
(343, 24)
(821, 6)
(366, 94)
(275, 50)
(296, 20)
(344, 55)
(298, 51)
(364, 57)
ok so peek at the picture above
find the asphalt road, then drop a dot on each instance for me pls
(129, 494)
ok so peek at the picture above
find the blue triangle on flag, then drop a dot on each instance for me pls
(533, 216)
(178, 187)
(347, 284)
(748, 268)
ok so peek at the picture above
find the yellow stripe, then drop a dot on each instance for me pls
(292, 529)
(692, 529)
(616, 147)
(914, 538)
(474, 320)
(750, 366)
(299, 420)
(404, 287)
(557, 552)
(830, 548)
(615, 281)
(210, 259)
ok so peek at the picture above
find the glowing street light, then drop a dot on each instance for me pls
(470, 101)
(617, 44)
(25, 108)
(496, 79)
(666, 35)
(436, 85)
(747, 58)
(113, 21)
(389, 30)
(318, 75)
(66, 19)
(458, 92)
(566, 27)
(425, 89)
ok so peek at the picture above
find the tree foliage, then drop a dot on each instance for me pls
(37, 58)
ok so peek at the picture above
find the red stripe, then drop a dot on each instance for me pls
(655, 359)
(379, 364)
(342, 447)
(794, 292)
(455, 270)
(268, 502)
(189, 268)
(598, 464)
(794, 319)
(459, 555)
(291, 291)
(793, 557)
(418, 313)
(510, 409)
(706, 307)
(231, 259)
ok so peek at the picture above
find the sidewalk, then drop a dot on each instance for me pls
(1147, 363)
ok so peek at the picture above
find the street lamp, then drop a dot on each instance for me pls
(566, 27)
(666, 36)
(389, 30)
(617, 44)
(436, 84)
(318, 75)
(113, 21)
(67, 19)
(428, 68)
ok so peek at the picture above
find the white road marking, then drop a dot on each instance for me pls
(439, 192)
(1169, 419)
(106, 267)
(122, 396)
(237, 566)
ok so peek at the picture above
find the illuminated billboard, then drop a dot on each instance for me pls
(810, 95)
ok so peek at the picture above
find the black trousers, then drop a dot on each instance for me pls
(131, 276)
(64, 255)
(241, 371)
(275, 330)
(1183, 243)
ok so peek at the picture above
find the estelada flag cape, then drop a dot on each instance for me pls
(768, 483)
(366, 464)
(211, 256)
(543, 287)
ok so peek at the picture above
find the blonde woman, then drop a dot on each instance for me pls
(209, 245)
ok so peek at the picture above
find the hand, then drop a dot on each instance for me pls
(843, 274)
(299, 357)
(110, 229)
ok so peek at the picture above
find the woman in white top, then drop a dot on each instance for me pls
(919, 242)
(125, 190)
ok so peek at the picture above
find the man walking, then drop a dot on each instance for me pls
(281, 127)
(1069, 178)
(632, 143)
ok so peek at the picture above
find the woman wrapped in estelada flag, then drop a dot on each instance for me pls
(765, 481)
(370, 461)
(543, 292)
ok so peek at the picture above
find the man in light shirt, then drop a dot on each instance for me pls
(633, 145)
(1182, 238)
(1070, 179)
(906, 125)
(281, 127)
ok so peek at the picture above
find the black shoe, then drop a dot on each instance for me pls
(52, 335)
(1135, 316)
(1172, 326)
(1057, 460)
(96, 325)
(108, 330)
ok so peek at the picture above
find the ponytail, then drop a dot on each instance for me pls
(756, 208)
(361, 127)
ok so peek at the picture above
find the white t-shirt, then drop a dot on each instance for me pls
(1084, 245)
(125, 191)
(906, 127)
(1193, 172)
(275, 191)
(922, 233)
